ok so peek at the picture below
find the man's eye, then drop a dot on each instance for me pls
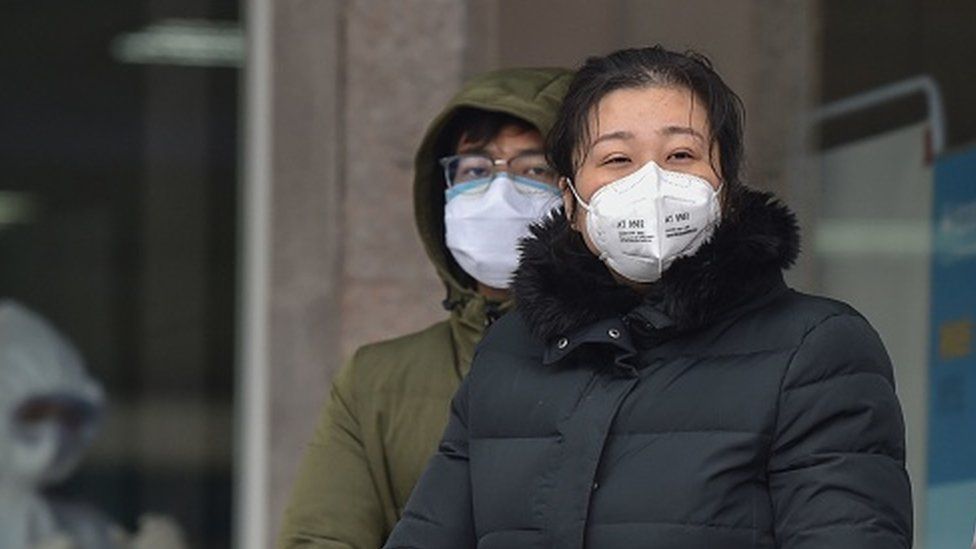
(616, 160)
(538, 170)
(473, 173)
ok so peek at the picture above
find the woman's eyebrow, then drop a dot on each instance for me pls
(681, 130)
(622, 135)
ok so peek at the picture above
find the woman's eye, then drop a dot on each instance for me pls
(615, 160)
(681, 155)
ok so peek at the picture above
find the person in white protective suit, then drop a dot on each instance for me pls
(50, 410)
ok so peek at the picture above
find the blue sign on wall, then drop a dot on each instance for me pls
(951, 497)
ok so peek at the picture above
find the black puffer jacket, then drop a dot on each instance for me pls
(721, 411)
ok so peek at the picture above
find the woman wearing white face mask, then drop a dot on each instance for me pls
(659, 385)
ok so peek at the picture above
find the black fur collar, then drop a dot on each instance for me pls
(561, 287)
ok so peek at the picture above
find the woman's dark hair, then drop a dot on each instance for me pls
(641, 68)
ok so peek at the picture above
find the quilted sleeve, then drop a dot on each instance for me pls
(837, 463)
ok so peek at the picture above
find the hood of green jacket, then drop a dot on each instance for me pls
(533, 95)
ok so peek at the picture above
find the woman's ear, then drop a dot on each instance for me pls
(569, 201)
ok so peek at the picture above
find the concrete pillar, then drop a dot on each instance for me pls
(352, 86)
(404, 60)
(303, 284)
(782, 139)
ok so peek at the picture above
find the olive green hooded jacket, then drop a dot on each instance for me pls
(389, 405)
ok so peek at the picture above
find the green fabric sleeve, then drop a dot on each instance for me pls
(334, 503)
(440, 512)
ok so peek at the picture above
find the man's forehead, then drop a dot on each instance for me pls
(525, 141)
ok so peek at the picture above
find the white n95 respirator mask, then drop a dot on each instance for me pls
(484, 222)
(642, 222)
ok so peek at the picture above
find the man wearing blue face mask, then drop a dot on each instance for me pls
(481, 178)
(495, 190)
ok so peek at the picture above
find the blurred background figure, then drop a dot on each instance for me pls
(50, 411)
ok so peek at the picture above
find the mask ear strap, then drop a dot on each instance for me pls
(579, 200)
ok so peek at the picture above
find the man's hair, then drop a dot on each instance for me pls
(477, 127)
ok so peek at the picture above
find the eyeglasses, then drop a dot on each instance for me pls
(475, 171)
